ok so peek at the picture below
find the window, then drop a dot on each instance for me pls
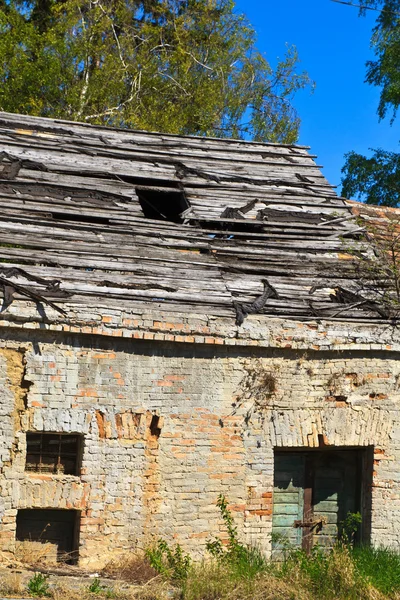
(58, 528)
(56, 453)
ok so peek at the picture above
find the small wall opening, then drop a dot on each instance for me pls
(56, 528)
(55, 453)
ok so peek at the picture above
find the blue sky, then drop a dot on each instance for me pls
(333, 45)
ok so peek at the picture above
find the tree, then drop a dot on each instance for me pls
(377, 178)
(179, 66)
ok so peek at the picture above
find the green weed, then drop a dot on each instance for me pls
(38, 586)
(172, 563)
(96, 587)
(237, 571)
(243, 561)
(349, 527)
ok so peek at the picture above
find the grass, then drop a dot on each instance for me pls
(381, 566)
(235, 571)
(132, 568)
(343, 573)
(11, 585)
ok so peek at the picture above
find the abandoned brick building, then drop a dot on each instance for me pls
(180, 318)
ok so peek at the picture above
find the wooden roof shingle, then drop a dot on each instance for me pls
(227, 219)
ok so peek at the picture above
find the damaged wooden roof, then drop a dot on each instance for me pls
(132, 219)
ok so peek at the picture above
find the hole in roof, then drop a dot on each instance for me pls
(60, 216)
(163, 205)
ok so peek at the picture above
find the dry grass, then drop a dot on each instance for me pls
(321, 576)
(64, 591)
(134, 568)
(211, 582)
(335, 578)
(11, 584)
(36, 553)
(154, 589)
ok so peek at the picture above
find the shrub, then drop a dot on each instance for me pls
(96, 587)
(349, 527)
(243, 560)
(38, 586)
(172, 563)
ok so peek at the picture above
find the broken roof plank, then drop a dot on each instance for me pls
(70, 211)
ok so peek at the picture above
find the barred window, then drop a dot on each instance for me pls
(56, 453)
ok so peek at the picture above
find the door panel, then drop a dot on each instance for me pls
(313, 492)
(288, 500)
(335, 493)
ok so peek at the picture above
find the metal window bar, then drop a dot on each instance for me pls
(44, 459)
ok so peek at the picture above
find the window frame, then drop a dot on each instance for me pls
(59, 455)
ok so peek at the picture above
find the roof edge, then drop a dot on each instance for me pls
(160, 133)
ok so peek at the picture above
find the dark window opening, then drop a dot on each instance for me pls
(51, 526)
(56, 453)
(163, 205)
(155, 426)
(80, 218)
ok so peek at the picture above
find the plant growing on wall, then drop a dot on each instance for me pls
(173, 563)
(256, 389)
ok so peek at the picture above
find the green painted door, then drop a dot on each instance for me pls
(335, 493)
(313, 492)
(288, 500)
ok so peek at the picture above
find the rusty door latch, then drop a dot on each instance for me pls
(316, 523)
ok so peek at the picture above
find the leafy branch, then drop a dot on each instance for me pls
(377, 265)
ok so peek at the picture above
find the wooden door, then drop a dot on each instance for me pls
(313, 493)
(288, 499)
(336, 492)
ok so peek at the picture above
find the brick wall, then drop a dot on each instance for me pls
(168, 426)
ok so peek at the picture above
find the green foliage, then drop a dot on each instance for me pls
(179, 66)
(96, 587)
(381, 566)
(341, 573)
(237, 571)
(349, 527)
(172, 563)
(38, 586)
(377, 178)
(384, 72)
(243, 560)
(326, 574)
